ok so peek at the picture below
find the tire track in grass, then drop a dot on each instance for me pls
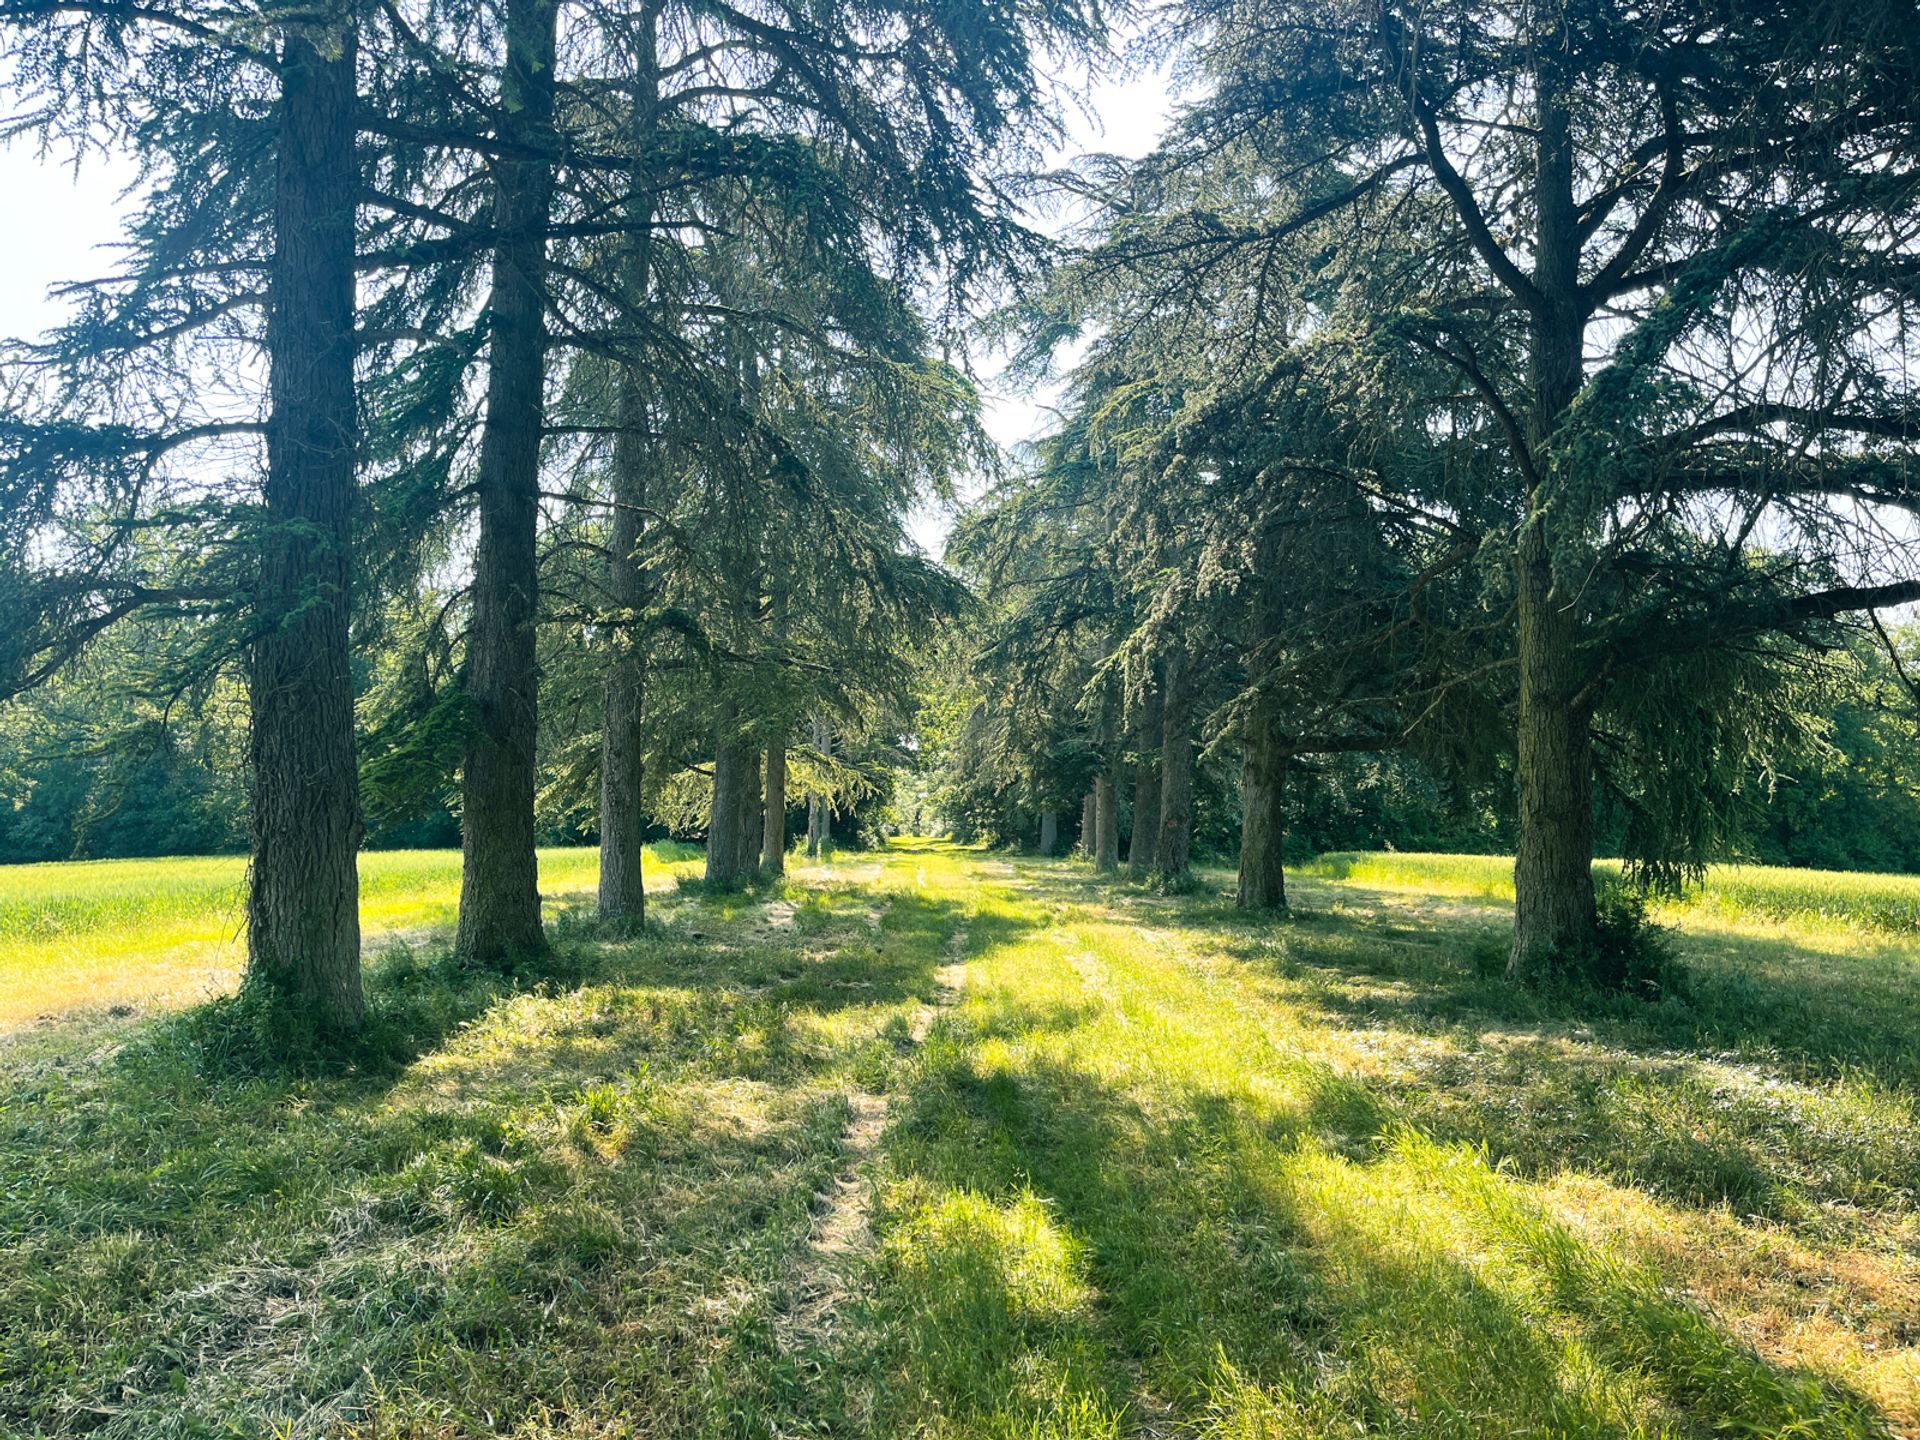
(842, 1237)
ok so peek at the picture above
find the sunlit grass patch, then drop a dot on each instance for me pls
(573, 1213)
(1814, 899)
(137, 933)
(1161, 1169)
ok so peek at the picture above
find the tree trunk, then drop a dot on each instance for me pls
(1263, 772)
(1106, 824)
(623, 820)
(1171, 854)
(773, 846)
(819, 816)
(1089, 822)
(1049, 831)
(752, 815)
(499, 881)
(725, 827)
(1553, 912)
(303, 898)
(1146, 792)
(1553, 915)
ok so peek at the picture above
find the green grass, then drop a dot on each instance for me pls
(1845, 899)
(139, 933)
(1161, 1169)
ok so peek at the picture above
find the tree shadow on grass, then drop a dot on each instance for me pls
(1216, 1256)
(578, 1192)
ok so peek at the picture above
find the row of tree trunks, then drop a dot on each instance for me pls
(303, 900)
(499, 882)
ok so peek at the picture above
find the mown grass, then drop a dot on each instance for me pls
(1172, 1171)
(138, 933)
(1820, 898)
(574, 1212)
(1162, 1170)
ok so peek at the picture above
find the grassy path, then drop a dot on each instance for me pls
(1153, 1169)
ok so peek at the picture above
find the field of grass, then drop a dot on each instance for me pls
(139, 933)
(1153, 1169)
(1816, 898)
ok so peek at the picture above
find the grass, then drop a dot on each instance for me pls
(1159, 1170)
(144, 933)
(1817, 898)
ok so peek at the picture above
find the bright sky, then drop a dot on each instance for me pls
(66, 220)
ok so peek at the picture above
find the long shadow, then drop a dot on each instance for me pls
(1637, 1090)
(1224, 1243)
(139, 1191)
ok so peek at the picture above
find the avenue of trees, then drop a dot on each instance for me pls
(1519, 393)
(1493, 420)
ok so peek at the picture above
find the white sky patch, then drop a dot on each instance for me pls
(1122, 116)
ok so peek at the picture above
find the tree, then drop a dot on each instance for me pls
(1634, 255)
(268, 230)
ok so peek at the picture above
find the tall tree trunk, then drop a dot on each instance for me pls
(752, 814)
(1049, 831)
(1553, 863)
(499, 881)
(1089, 822)
(725, 863)
(819, 815)
(773, 828)
(623, 820)
(1105, 849)
(1553, 913)
(1146, 791)
(1106, 823)
(303, 898)
(773, 846)
(1171, 854)
(1263, 772)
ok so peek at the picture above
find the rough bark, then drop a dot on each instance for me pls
(752, 815)
(1553, 914)
(623, 819)
(303, 898)
(1263, 769)
(1106, 824)
(1553, 864)
(773, 842)
(499, 882)
(1146, 792)
(1049, 831)
(1171, 853)
(1089, 822)
(725, 864)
